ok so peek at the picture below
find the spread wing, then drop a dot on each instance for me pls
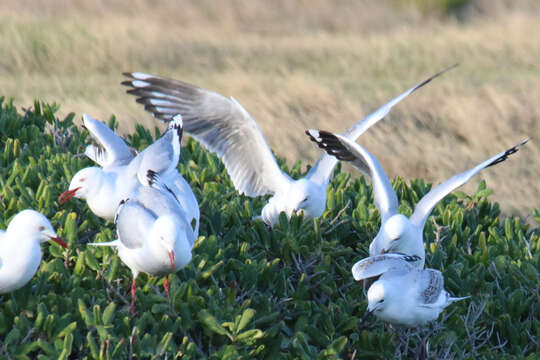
(110, 149)
(379, 264)
(427, 203)
(322, 170)
(220, 124)
(161, 156)
(347, 150)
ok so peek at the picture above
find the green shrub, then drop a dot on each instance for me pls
(250, 292)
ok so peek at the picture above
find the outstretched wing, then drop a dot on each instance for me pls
(110, 149)
(220, 124)
(379, 264)
(427, 203)
(322, 170)
(160, 157)
(347, 150)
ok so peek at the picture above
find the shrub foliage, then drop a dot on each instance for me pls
(252, 292)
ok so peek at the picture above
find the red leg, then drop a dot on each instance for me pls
(166, 286)
(133, 287)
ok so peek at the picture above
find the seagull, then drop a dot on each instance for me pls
(223, 126)
(404, 294)
(397, 233)
(154, 235)
(20, 248)
(122, 171)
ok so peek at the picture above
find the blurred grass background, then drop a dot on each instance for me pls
(306, 64)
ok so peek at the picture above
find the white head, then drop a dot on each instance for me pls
(82, 183)
(377, 296)
(304, 196)
(397, 234)
(33, 225)
(167, 231)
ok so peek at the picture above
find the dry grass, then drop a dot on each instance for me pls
(300, 64)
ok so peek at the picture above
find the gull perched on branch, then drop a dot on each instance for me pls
(397, 233)
(226, 128)
(122, 172)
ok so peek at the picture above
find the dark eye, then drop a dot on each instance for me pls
(381, 301)
(82, 180)
(41, 228)
(304, 199)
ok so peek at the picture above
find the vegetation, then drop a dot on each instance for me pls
(251, 292)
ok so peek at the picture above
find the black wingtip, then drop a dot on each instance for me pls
(331, 144)
(508, 152)
(151, 176)
(435, 76)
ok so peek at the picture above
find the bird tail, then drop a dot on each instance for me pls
(454, 299)
(109, 243)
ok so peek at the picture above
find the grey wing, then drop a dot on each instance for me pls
(347, 150)
(427, 203)
(133, 220)
(220, 124)
(430, 285)
(322, 169)
(110, 150)
(158, 202)
(379, 264)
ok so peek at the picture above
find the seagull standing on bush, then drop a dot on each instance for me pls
(122, 172)
(154, 234)
(20, 248)
(404, 294)
(397, 233)
(226, 128)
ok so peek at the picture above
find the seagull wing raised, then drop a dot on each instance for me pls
(110, 149)
(322, 170)
(379, 264)
(347, 150)
(427, 203)
(221, 124)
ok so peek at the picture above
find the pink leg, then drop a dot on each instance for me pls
(166, 286)
(133, 287)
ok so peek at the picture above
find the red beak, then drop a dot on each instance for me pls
(66, 195)
(59, 241)
(171, 257)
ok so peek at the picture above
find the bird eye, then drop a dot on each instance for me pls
(82, 180)
(381, 301)
(41, 228)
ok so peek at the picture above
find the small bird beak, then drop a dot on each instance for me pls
(59, 241)
(66, 195)
(171, 257)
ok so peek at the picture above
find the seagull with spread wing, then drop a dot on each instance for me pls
(226, 128)
(397, 233)
(122, 171)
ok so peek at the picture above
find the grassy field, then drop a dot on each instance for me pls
(298, 64)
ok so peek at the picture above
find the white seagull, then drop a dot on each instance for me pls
(397, 233)
(226, 128)
(154, 235)
(20, 248)
(122, 171)
(404, 294)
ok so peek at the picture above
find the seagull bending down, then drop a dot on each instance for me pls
(122, 172)
(226, 128)
(404, 293)
(397, 233)
(154, 235)
(20, 248)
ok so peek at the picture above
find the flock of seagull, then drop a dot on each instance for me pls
(157, 215)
